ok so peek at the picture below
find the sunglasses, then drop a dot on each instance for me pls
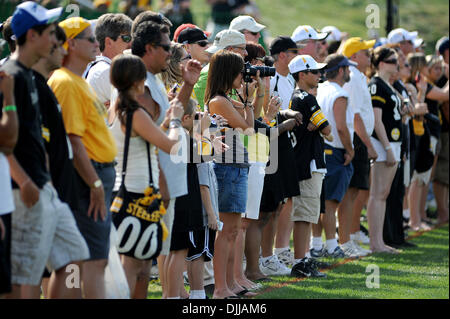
(202, 43)
(314, 71)
(166, 47)
(125, 38)
(252, 33)
(90, 39)
(392, 61)
(187, 57)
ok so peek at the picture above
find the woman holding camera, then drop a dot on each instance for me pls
(231, 167)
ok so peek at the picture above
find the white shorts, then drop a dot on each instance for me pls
(256, 174)
(168, 218)
(396, 148)
(45, 234)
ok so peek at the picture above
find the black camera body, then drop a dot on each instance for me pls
(250, 70)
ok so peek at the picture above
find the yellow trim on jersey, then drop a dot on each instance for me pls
(317, 118)
(379, 98)
(328, 152)
(46, 134)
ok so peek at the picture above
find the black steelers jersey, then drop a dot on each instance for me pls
(386, 99)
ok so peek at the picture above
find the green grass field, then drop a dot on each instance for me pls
(430, 18)
(416, 273)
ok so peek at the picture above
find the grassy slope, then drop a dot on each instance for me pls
(421, 273)
(283, 16)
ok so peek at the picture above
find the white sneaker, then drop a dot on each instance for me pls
(364, 252)
(273, 267)
(350, 251)
(286, 257)
(361, 238)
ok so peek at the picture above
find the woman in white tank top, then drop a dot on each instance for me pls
(128, 74)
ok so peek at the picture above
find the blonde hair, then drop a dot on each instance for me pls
(172, 75)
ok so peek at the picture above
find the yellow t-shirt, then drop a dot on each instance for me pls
(83, 114)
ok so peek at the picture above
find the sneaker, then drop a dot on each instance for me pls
(318, 264)
(337, 253)
(273, 267)
(305, 269)
(361, 249)
(286, 257)
(317, 253)
(350, 251)
(361, 238)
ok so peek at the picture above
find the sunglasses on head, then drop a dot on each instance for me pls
(392, 61)
(125, 38)
(202, 43)
(187, 57)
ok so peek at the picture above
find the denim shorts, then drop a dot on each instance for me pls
(338, 176)
(232, 185)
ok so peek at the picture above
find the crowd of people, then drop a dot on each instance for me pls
(206, 157)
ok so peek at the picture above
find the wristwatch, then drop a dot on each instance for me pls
(97, 183)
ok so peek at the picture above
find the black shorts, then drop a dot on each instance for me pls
(201, 243)
(361, 165)
(5, 256)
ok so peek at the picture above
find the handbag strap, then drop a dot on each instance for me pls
(128, 127)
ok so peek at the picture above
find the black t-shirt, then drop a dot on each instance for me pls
(29, 150)
(386, 99)
(57, 144)
(433, 108)
(406, 136)
(309, 144)
(441, 83)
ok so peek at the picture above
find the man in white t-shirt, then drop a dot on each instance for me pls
(360, 102)
(339, 153)
(112, 32)
(8, 136)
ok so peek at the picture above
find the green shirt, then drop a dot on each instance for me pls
(200, 87)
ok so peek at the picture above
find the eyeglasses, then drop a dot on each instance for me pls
(392, 61)
(125, 38)
(187, 57)
(166, 47)
(202, 43)
(90, 39)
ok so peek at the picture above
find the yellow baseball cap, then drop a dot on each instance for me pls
(353, 45)
(73, 27)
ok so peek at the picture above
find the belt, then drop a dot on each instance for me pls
(103, 165)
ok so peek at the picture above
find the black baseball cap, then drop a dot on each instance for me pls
(191, 35)
(282, 44)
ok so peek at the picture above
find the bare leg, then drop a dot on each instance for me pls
(175, 272)
(93, 278)
(57, 288)
(359, 203)
(284, 226)
(241, 279)
(142, 279)
(30, 292)
(345, 212)
(329, 219)
(252, 245)
(415, 194)
(381, 181)
(302, 233)
(44, 285)
(268, 234)
(441, 194)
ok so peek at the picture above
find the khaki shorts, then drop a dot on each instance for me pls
(45, 234)
(306, 206)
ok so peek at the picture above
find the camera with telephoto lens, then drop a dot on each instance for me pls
(250, 70)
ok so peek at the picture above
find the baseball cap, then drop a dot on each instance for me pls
(334, 33)
(30, 14)
(281, 44)
(442, 45)
(335, 61)
(353, 45)
(191, 35)
(73, 27)
(226, 38)
(418, 42)
(400, 34)
(303, 63)
(246, 23)
(185, 26)
(305, 32)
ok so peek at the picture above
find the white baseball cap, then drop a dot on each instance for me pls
(335, 34)
(418, 42)
(303, 63)
(305, 32)
(400, 34)
(246, 23)
(226, 38)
